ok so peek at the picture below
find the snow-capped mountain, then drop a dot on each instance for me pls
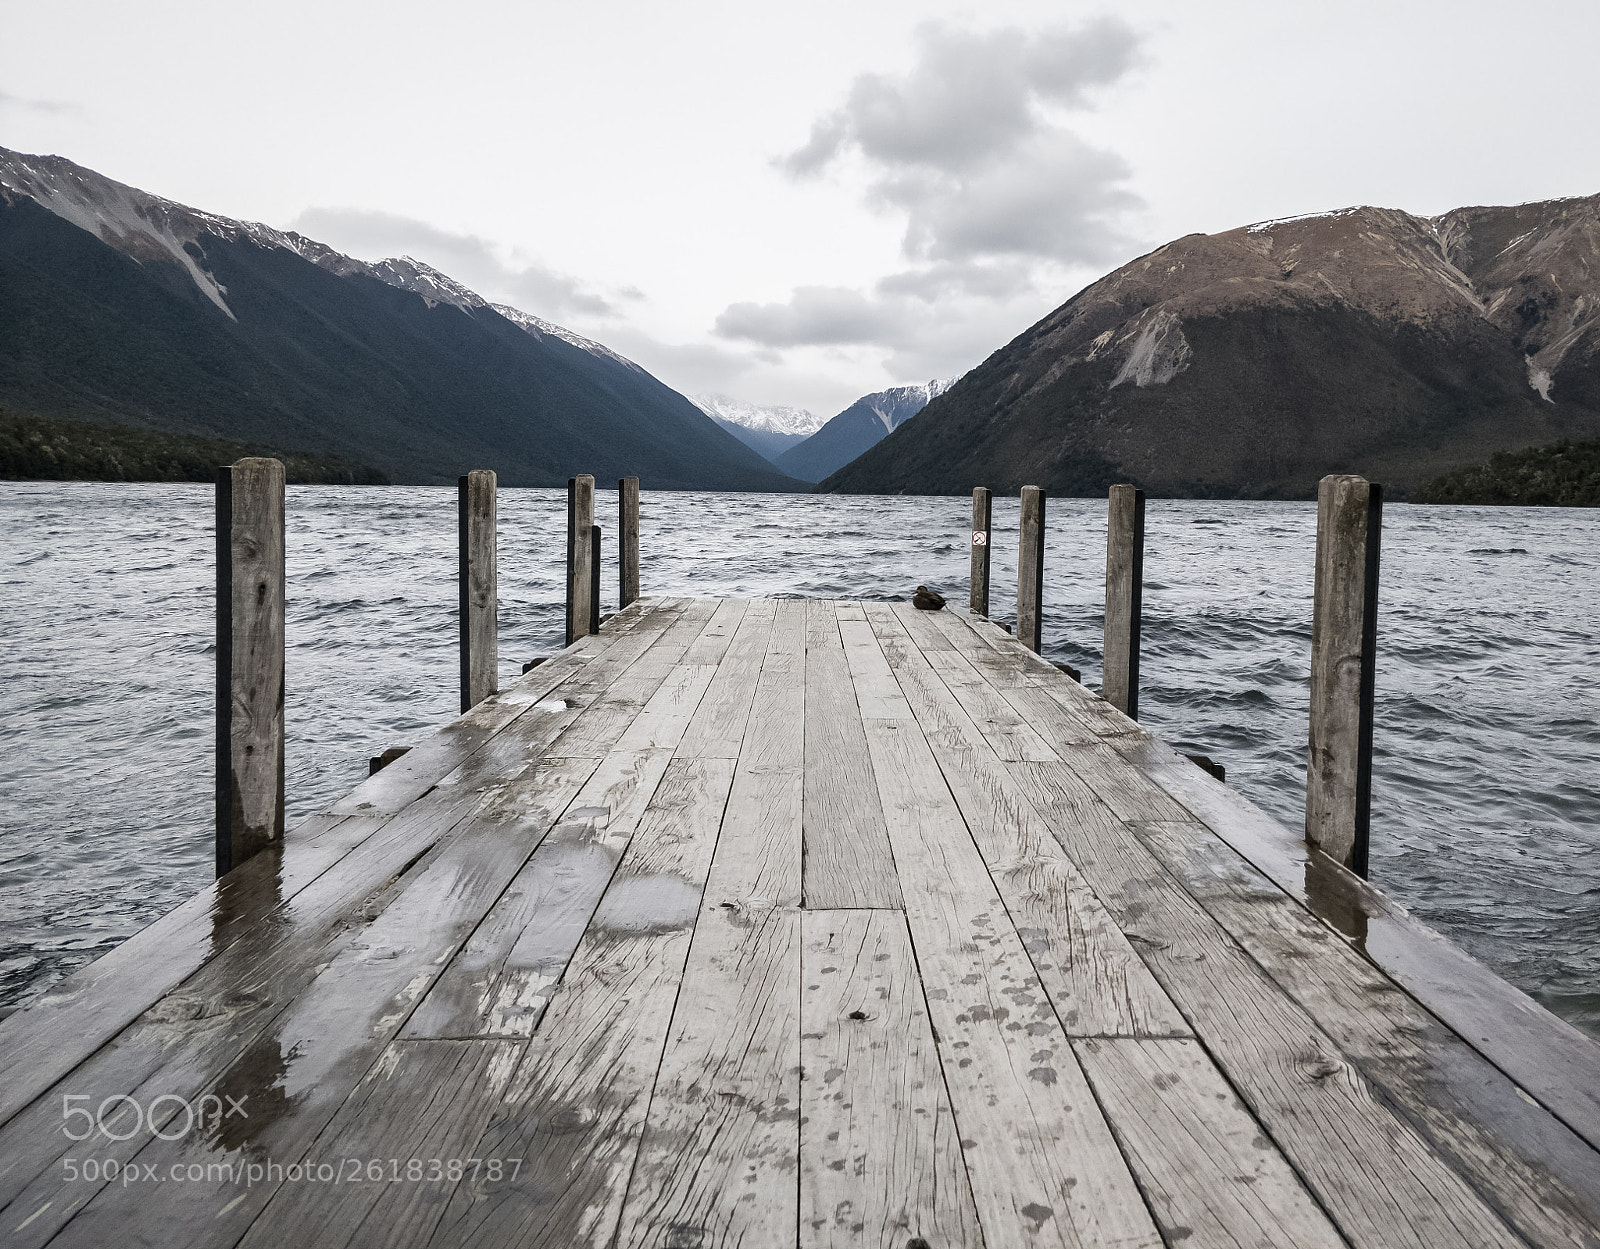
(863, 424)
(131, 308)
(772, 420)
(768, 430)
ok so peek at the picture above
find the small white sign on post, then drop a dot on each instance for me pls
(980, 538)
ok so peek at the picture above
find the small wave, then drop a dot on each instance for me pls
(1498, 550)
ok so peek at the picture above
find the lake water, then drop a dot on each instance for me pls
(1486, 791)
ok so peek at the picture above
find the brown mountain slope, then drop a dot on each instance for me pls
(1252, 362)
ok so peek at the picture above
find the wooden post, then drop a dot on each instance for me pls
(1344, 627)
(1119, 683)
(1030, 568)
(627, 541)
(594, 578)
(249, 707)
(580, 525)
(981, 517)
(477, 587)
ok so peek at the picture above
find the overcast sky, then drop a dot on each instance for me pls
(802, 203)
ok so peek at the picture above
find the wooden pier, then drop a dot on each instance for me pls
(777, 922)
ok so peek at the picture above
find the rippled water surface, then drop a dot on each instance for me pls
(1486, 796)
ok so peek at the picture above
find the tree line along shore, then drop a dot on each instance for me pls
(37, 448)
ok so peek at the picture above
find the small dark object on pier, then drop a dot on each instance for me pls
(1069, 670)
(532, 664)
(927, 600)
(1206, 764)
(377, 763)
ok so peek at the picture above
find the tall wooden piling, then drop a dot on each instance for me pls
(627, 541)
(1124, 599)
(250, 632)
(580, 562)
(982, 515)
(594, 578)
(1030, 568)
(477, 586)
(1344, 625)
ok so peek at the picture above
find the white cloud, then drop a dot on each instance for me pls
(1000, 198)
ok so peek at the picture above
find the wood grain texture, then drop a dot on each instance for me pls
(1344, 613)
(421, 1101)
(627, 541)
(847, 858)
(576, 1108)
(880, 1159)
(250, 641)
(1043, 1165)
(1214, 1180)
(1098, 985)
(1124, 599)
(581, 607)
(320, 1046)
(718, 727)
(478, 587)
(1555, 1063)
(1381, 1182)
(717, 1163)
(1543, 1179)
(978, 582)
(1030, 568)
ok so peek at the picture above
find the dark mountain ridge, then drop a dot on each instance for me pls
(118, 306)
(1252, 362)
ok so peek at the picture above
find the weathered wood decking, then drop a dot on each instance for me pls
(777, 922)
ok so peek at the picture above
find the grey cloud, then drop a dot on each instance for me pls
(7, 100)
(813, 316)
(966, 144)
(534, 287)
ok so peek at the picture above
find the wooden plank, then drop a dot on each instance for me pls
(1097, 983)
(1043, 1164)
(1212, 1177)
(718, 726)
(847, 858)
(1380, 1181)
(1546, 1056)
(1003, 726)
(504, 977)
(576, 1107)
(418, 1110)
(1543, 1179)
(598, 728)
(239, 935)
(880, 1159)
(429, 761)
(296, 1074)
(718, 1158)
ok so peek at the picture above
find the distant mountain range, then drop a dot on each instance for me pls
(120, 307)
(1251, 363)
(768, 431)
(866, 422)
